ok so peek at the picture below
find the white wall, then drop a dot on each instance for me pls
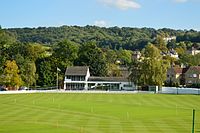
(175, 90)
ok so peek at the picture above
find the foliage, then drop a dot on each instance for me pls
(6, 40)
(152, 68)
(38, 51)
(92, 56)
(64, 54)
(160, 44)
(114, 37)
(28, 73)
(114, 70)
(11, 77)
(190, 60)
(46, 70)
(189, 36)
(124, 56)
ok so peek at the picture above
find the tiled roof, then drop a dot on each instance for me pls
(196, 68)
(180, 70)
(109, 79)
(77, 70)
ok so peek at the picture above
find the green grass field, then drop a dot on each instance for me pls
(98, 113)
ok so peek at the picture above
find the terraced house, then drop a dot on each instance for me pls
(192, 75)
(79, 78)
(184, 76)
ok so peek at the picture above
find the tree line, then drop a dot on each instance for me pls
(31, 56)
(113, 37)
(33, 64)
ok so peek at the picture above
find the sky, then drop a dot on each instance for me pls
(175, 14)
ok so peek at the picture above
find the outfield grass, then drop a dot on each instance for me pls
(98, 113)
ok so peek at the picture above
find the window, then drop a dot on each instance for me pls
(127, 85)
(194, 75)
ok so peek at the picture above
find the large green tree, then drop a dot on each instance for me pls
(28, 74)
(113, 63)
(152, 68)
(125, 57)
(92, 56)
(160, 44)
(46, 70)
(65, 53)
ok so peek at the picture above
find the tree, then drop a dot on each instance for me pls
(125, 56)
(6, 41)
(28, 74)
(136, 72)
(11, 77)
(33, 51)
(114, 70)
(152, 69)
(92, 56)
(190, 60)
(65, 53)
(46, 70)
(160, 44)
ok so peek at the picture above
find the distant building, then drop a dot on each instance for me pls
(175, 75)
(192, 75)
(168, 39)
(193, 51)
(136, 55)
(171, 53)
(78, 78)
(184, 76)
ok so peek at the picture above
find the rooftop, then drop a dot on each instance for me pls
(114, 79)
(77, 70)
(180, 70)
(195, 68)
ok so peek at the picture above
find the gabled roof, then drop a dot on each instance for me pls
(76, 71)
(109, 79)
(195, 68)
(180, 70)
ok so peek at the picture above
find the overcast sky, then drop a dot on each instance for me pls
(176, 14)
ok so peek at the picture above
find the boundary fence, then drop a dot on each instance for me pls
(176, 90)
(163, 90)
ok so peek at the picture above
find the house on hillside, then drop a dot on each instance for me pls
(78, 78)
(168, 39)
(183, 76)
(175, 75)
(136, 55)
(171, 53)
(192, 75)
(193, 51)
